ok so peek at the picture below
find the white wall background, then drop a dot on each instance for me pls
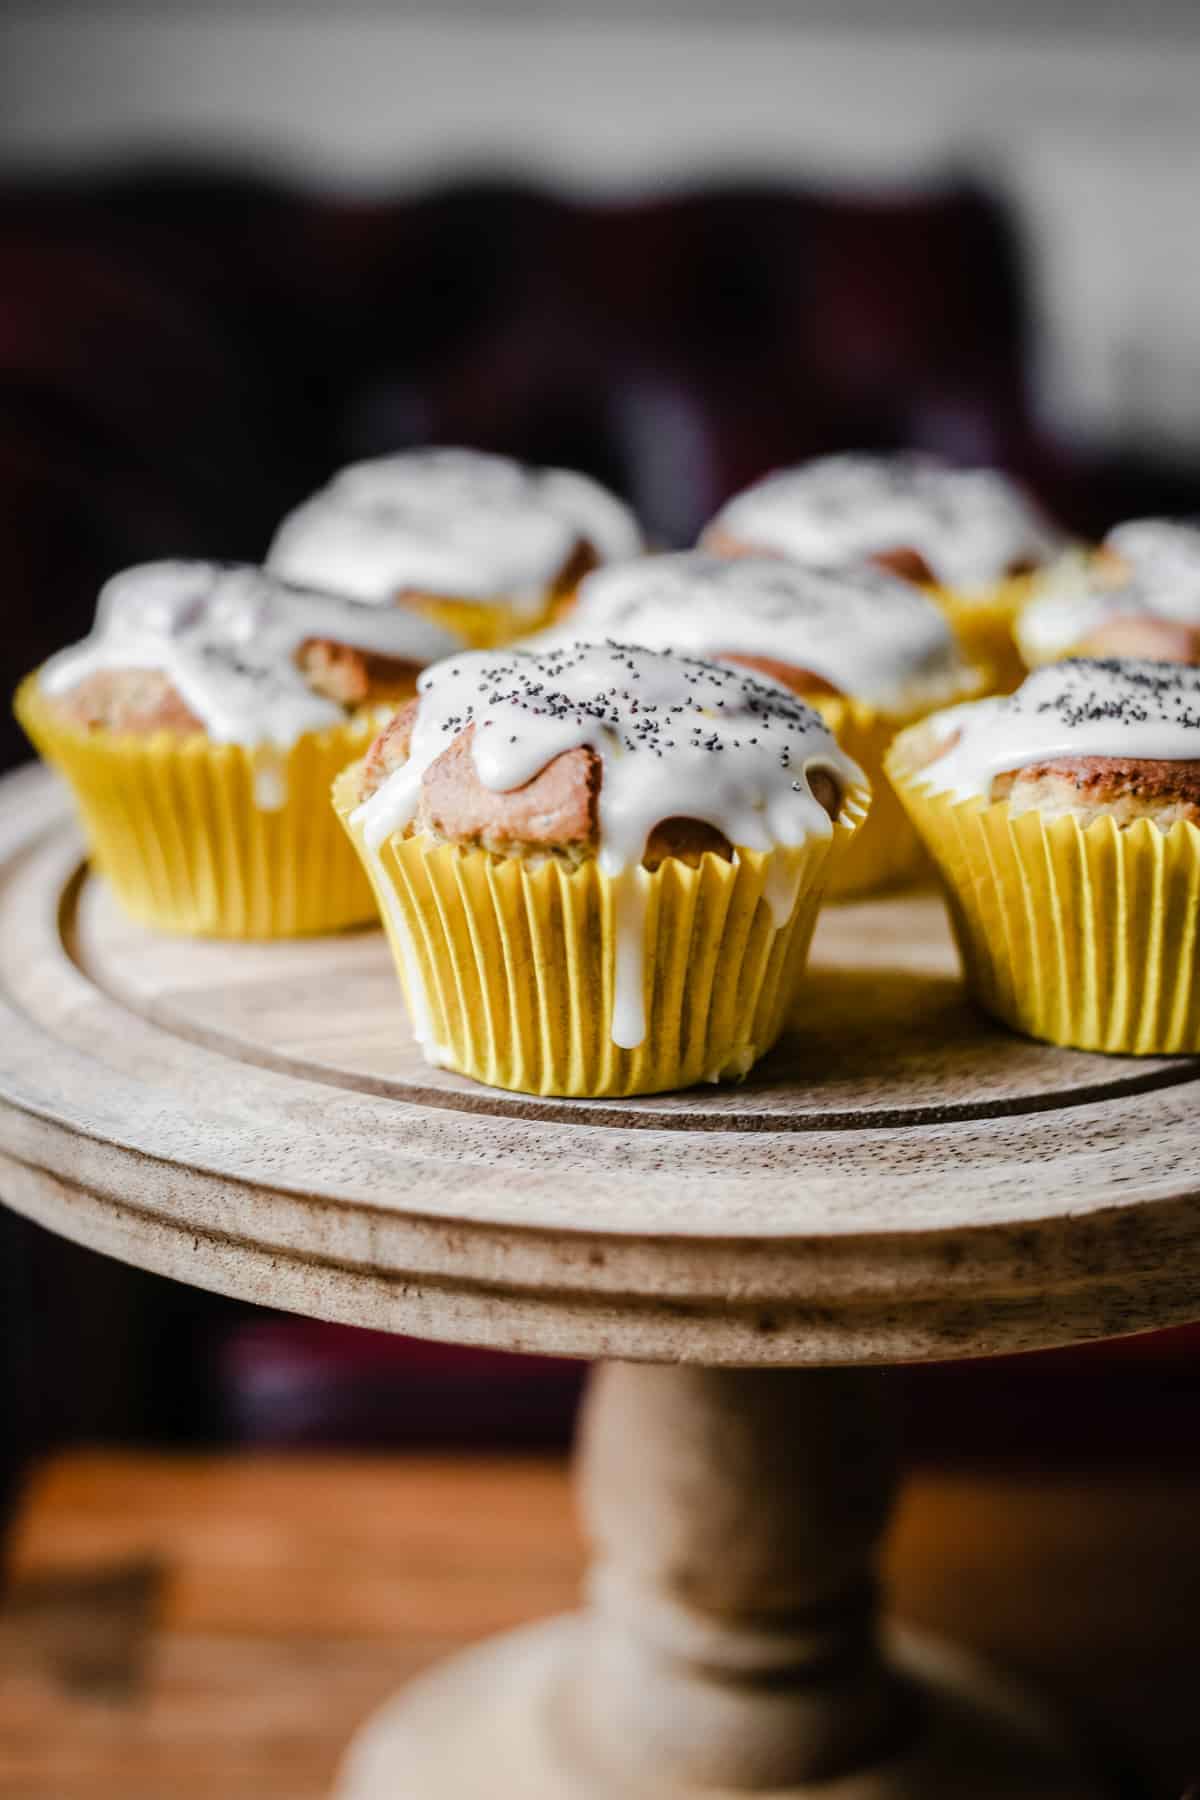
(1086, 116)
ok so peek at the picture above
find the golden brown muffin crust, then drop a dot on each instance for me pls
(789, 675)
(390, 750)
(351, 677)
(686, 841)
(1144, 638)
(140, 702)
(556, 812)
(720, 541)
(582, 560)
(136, 701)
(1110, 565)
(1123, 788)
(905, 562)
(1092, 787)
(910, 565)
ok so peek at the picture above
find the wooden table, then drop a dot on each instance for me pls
(901, 1181)
(287, 1596)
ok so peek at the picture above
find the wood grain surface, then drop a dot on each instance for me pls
(294, 1594)
(902, 1181)
(884, 1034)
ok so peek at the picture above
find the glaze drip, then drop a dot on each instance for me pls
(227, 636)
(970, 526)
(1132, 709)
(451, 522)
(867, 633)
(677, 738)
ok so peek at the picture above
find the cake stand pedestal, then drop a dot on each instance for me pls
(901, 1180)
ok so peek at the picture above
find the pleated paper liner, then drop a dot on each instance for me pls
(985, 626)
(1083, 936)
(177, 828)
(508, 966)
(886, 851)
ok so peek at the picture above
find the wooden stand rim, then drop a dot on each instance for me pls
(193, 1108)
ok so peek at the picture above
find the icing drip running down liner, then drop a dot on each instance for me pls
(1087, 936)
(226, 833)
(489, 536)
(879, 641)
(596, 976)
(1147, 569)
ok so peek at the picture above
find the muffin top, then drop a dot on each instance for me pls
(1118, 720)
(964, 529)
(230, 651)
(1146, 573)
(452, 523)
(850, 630)
(591, 747)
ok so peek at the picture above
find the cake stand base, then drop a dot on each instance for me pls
(730, 1645)
(484, 1725)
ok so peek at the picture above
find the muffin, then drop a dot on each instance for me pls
(599, 867)
(1065, 824)
(1137, 595)
(487, 547)
(200, 725)
(970, 537)
(869, 652)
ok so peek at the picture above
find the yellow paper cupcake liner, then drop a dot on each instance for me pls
(886, 851)
(482, 625)
(985, 626)
(176, 827)
(509, 965)
(1087, 936)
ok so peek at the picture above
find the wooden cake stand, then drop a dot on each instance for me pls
(900, 1181)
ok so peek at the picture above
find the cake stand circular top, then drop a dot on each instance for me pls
(900, 1180)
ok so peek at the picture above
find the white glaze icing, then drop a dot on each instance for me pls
(676, 737)
(867, 633)
(1165, 551)
(452, 522)
(226, 636)
(1157, 576)
(1080, 708)
(969, 525)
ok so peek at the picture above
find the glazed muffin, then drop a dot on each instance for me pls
(970, 537)
(864, 648)
(200, 725)
(1137, 594)
(486, 546)
(1065, 824)
(599, 866)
